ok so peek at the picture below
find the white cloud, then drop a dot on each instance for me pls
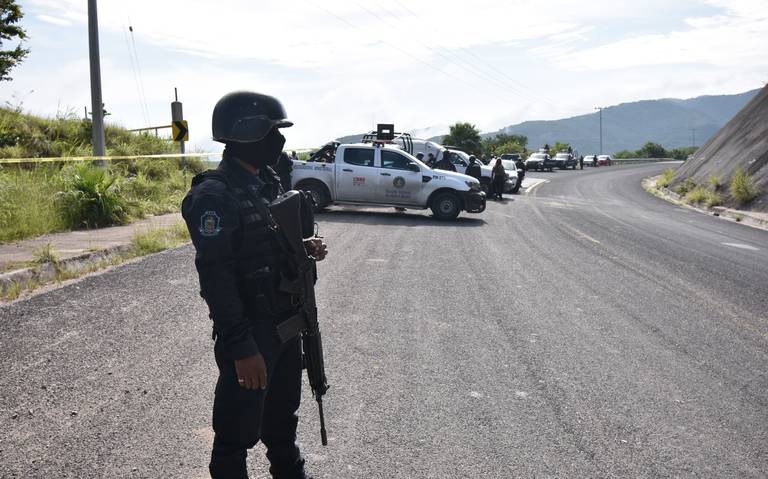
(737, 38)
(339, 65)
(54, 20)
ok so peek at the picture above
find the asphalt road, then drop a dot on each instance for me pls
(586, 329)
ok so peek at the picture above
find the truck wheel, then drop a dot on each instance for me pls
(446, 206)
(516, 188)
(319, 193)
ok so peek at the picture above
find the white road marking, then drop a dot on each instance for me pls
(537, 183)
(742, 246)
(583, 235)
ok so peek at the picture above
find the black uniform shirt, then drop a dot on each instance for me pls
(213, 219)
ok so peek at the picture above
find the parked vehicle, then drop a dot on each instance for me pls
(381, 174)
(539, 162)
(460, 160)
(565, 160)
(604, 160)
(519, 163)
(590, 160)
(511, 168)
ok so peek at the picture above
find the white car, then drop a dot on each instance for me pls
(590, 160)
(376, 174)
(511, 168)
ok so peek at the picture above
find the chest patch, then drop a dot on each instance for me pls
(210, 224)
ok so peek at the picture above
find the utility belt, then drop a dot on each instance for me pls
(264, 300)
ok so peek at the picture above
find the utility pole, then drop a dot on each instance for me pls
(97, 105)
(600, 109)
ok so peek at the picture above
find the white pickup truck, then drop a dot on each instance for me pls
(373, 174)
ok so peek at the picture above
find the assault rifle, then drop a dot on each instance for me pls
(293, 214)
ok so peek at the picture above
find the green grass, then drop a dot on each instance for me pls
(40, 198)
(29, 136)
(666, 178)
(701, 195)
(685, 186)
(715, 182)
(45, 254)
(159, 239)
(743, 188)
(143, 243)
(48, 198)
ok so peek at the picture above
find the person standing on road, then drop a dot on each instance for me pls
(239, 261)
(581, 162)
(445, 163)
(473, 169)
(498, 179)
(284, 168)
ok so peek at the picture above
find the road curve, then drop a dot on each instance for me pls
(585, 329)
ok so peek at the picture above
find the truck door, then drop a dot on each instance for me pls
(400, 179)
(356, 178)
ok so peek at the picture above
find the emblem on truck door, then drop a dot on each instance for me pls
(398, 182)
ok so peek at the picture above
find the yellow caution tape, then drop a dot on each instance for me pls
(6, 161)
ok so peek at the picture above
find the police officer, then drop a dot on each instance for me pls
(239, 260)
(444, 163)
(474, 169)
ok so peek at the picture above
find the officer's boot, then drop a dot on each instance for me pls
(228, 463)
(294, 471)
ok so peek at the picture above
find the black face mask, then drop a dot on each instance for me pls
(261, 153)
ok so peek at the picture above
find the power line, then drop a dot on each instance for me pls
(518, 88)
(135, 77)
(138, 69)
(480, 74)
(404, 52)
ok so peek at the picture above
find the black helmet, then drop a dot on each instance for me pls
(247, 117)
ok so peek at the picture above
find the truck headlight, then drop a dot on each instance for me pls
(473, 185)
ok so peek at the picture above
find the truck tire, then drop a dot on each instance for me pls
(446, 206)
(319, 192)
(516, 188)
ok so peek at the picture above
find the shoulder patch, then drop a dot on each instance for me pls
(210, 224)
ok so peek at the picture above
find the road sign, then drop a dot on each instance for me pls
(180, 130)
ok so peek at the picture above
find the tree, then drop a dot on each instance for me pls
(652, 150)
(559, 146)
(465, 137)
(504, 143)
(10, 14)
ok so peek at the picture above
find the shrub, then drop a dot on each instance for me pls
(666, 178)
(696, 195)
(45, 254)
(91, 199)
(685, 186)
(713, 198)
(715, 182)
(743, 188)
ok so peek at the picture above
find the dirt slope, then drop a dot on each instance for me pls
(741, 143)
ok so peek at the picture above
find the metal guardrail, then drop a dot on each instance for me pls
(632, 161)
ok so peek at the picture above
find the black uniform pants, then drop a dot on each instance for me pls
(242, 417)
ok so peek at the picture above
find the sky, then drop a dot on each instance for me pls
(341, 66)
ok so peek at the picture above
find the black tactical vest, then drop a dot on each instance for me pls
(260, 258)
